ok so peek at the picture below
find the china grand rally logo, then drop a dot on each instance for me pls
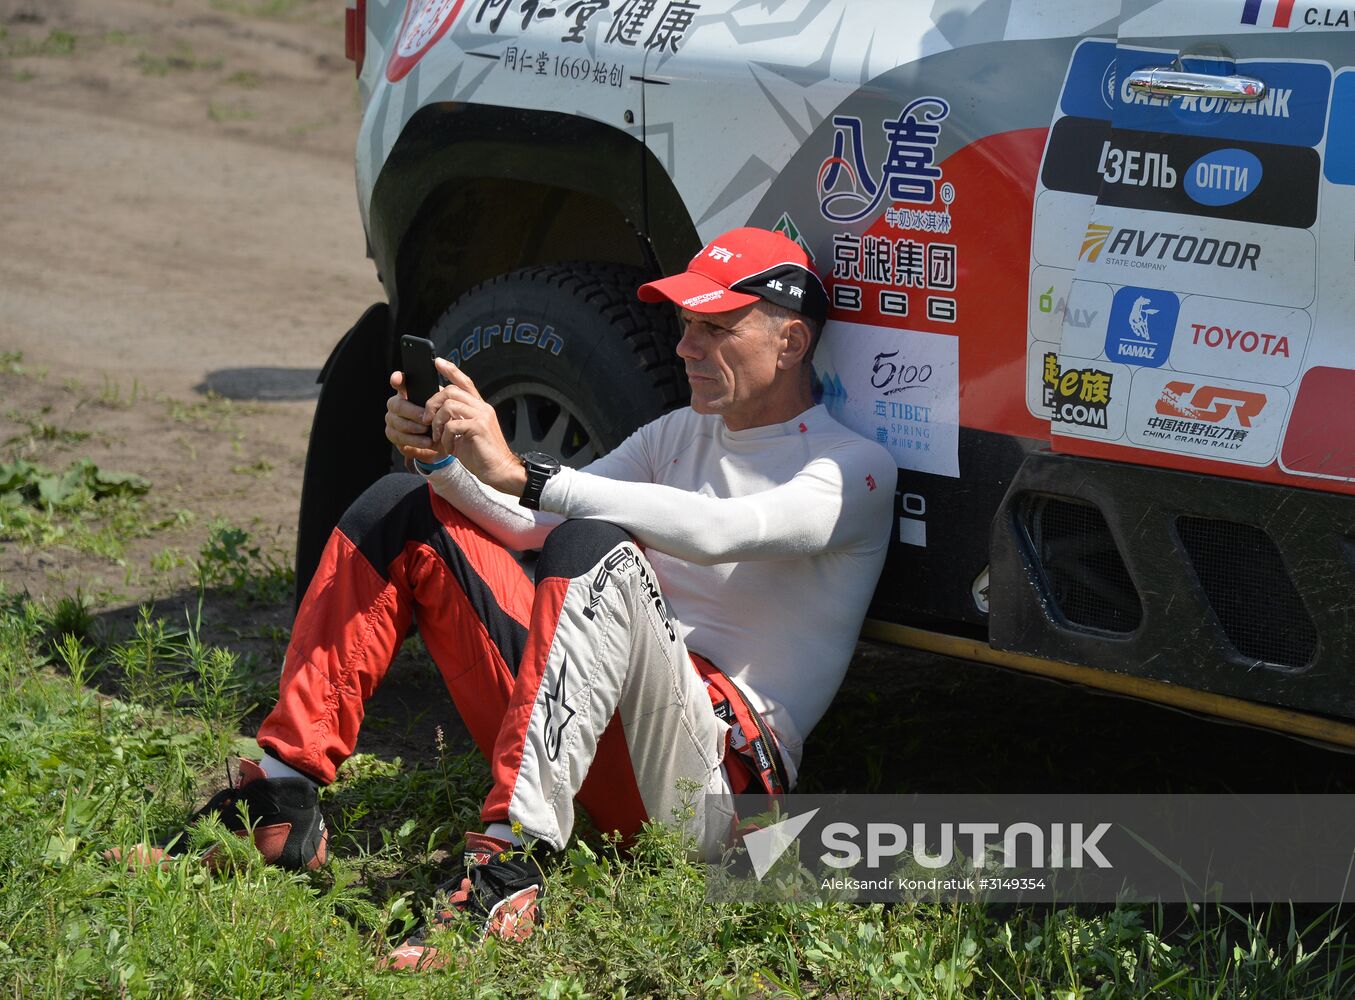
(848, 189)
(426, 21)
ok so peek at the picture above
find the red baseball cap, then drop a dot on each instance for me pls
(739, 267)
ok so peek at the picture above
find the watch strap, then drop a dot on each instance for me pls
(540, 468)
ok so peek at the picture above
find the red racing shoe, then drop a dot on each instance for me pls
(502, 887)
(284, 819)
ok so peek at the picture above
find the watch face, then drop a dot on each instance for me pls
(541, 460)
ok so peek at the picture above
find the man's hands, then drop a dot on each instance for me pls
(407, 425)
(456, 421)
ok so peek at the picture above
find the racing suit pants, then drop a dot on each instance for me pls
(579, 686)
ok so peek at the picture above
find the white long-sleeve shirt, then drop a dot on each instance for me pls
(767, 543)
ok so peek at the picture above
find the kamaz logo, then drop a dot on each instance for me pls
(1151, 249)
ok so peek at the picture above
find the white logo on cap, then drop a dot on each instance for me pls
(720, 254)
(704, 297)
(796, 292)
(773, 283)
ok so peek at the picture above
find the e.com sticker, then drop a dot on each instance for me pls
(425, 22)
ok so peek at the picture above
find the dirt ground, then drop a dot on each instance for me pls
(180, 248)
(178, 217)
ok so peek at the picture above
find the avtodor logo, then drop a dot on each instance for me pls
(1093, 241)
(1156, 250)
(426, 21)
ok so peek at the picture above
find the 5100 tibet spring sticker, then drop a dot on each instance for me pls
(897, 387)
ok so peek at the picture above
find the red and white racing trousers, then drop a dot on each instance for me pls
(577, 687)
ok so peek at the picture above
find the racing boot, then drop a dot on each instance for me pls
(284, 823)
(502, 888)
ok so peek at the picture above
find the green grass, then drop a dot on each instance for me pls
(104, 742)
(107, 740)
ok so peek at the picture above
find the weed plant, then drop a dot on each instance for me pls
(231, 561)
(82, 507)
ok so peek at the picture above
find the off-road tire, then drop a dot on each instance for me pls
(569, 357)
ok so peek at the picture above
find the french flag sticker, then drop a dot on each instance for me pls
(1251, 12)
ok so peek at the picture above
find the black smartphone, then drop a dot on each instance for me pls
(421, 377)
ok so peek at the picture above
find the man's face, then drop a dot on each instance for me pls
(731, 360)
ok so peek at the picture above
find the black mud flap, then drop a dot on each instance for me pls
(348, 449)
(1237, 588)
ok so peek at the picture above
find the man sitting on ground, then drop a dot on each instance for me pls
(697, 598)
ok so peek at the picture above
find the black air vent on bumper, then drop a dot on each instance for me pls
(1249, 590)
(1264, 613)
(1087, 579)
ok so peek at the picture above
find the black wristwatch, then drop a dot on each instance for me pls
(540, 467)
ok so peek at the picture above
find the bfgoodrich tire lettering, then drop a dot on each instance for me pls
(568, 356)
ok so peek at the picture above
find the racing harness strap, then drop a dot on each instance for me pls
(756, 763)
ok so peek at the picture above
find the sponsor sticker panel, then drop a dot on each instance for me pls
(1086, 317)
(425, 22)
(1242, 340)
(1174, 268)
(1081, 397)
(1084, 397)
(1061, 307)
(1293, 110)
(1319, 441)
(900, 388)
(1089, 89)
(1339, 163)
(1267, 183)
(1206, 416)
(896, 255)
(1060, 227)
(1203, 256)
(1142, 326)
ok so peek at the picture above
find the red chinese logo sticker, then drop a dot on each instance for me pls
(425, 22)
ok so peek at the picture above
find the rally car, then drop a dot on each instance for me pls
(1091, 276)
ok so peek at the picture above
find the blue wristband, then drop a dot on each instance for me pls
(440, 464)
